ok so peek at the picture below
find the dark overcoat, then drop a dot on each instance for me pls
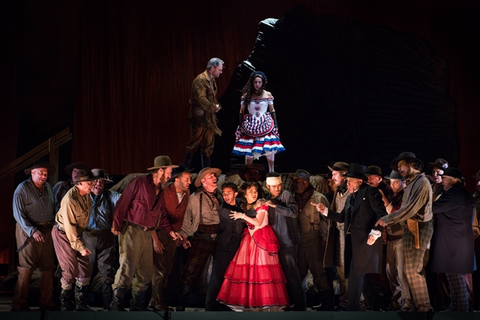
(360, 216)
(453, 236)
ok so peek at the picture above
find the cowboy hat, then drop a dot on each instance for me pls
(84, 175)
(404, 156)
(204, 172)
(41, 164)
(339, 166)
(76, 165)
(162, 162)
(101, 174)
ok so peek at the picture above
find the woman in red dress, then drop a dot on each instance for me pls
(254, 280)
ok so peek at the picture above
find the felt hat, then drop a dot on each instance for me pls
(394, 175)
(204, 172)
(373, 170)
(85, 175)
(452, 172)
(404, 156)
(101, 174)
(41, 164)
(339, 166)
(162, 162)
(439, 164)
(181, 168)
(76, 165)
(252, 166)
(356, 170)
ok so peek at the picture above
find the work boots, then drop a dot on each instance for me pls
(47, 301)
(81, 298)
(67, 300)
(20, 294)
(137, 303)
(182, 300)
(118, 300)
(106, 295)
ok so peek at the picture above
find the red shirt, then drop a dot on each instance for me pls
(141, 205)
(175, 210)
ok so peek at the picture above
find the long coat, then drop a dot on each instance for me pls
(453, 237)
(359, 220)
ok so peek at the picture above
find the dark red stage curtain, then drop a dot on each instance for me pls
(137, 62)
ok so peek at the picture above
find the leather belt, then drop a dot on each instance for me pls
(137, 226)
(206, 236)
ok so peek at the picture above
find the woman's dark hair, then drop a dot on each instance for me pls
(249, 89)
(243, 189)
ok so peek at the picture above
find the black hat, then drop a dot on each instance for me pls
(252, 166)
(76, 165)
(85, 175)
(41, 164)
(452, 172)
(404, 156)
(101, 174)
(439, 164)
(394, 175)
(176, 171)
(373, 170)
(356, 170)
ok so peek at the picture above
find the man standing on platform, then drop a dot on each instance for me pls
(34, 211)
(202, 116)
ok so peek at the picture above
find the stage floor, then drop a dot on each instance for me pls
(201, 314)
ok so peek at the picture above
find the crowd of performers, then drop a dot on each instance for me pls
(368, 241)
(404, 241)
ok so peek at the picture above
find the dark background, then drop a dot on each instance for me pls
(118, 73)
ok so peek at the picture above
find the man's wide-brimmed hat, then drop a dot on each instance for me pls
(339, 166)
(162, 162)
(394, 175)
(41, 164)
(204, 172)
(404, 156)
(302, 174)
(101, 174)
(76, 165)
(252, 166)
(439, 164)
(452, 172)
(181, 168)
(85, 175)
(373, 170)
(356, 170)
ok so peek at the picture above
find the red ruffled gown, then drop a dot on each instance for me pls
(254, 279)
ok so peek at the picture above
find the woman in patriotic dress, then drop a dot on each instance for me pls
(254, 280)
(257, 133)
